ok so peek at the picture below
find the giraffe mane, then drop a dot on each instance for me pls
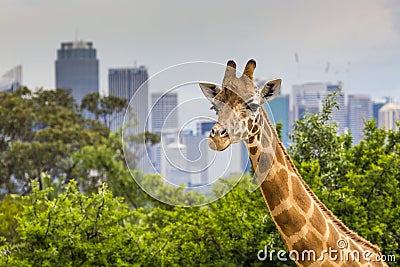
(337, 222)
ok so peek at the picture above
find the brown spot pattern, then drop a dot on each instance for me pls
(251, 139)
(253, 150)
(249, 124)
(309, 242)
(264, 163)
(333, 238)
(277, 189)
(300, 195)
(290, 221)
(318, 221)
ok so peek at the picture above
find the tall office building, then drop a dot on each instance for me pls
(11, 80)
(77, 68)
(197, 157)
(169, 157)
(339, 115)
(359, 109)
(126, 83)
(164, 112)
(174, 163)
(164, 122)
(389, 116)
(310, 97)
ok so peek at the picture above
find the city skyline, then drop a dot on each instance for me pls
(329, 44)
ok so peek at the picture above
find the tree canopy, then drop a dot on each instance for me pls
(69, 200)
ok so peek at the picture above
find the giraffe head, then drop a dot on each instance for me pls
(237, 104)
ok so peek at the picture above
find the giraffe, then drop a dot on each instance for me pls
(312, 234)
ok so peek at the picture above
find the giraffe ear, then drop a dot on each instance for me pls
(209, 90)
(271, 89)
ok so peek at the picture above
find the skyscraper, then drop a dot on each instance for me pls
(389, 115)
(359, 109)
(310, 97)
(77, 68)
(125, 83)
(164, 122)
(11, 80)
(197, 156)
(164, 114)
(339, 115)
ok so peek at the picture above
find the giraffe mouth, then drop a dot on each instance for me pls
(218, 145)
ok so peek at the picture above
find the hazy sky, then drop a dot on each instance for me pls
(360, 39)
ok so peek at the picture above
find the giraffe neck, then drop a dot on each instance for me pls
(301, 218)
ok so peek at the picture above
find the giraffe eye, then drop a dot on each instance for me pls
(252, 106)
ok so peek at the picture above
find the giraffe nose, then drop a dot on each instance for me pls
(219, 138)
(217, 130)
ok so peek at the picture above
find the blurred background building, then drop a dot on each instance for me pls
(125, 83)
(359, 110)
(164, 111)
(11, 80)
(389, 115)
(77, 68)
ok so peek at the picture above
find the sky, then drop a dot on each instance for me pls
(360, 39)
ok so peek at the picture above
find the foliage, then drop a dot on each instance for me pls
(315, 138)
(84, 207)
(359, 183)
(9, 208)
(104, 108)
(138, 144)
(43, 134)
(100, 230)
(73, 230)
(38, 133)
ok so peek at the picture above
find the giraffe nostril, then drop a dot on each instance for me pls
(223, 132)
(212, 133)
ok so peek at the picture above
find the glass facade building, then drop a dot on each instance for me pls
(126, 83)
(11, 80)
(339, 115)
(164, 112)
(77, 68)
(359, 109)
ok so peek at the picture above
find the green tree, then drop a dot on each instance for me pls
(370, 190)
(44, 137)
(38, 134)
(104, 108)
(10, 207)
(316, 141)
(73, 230)
(359, 183)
